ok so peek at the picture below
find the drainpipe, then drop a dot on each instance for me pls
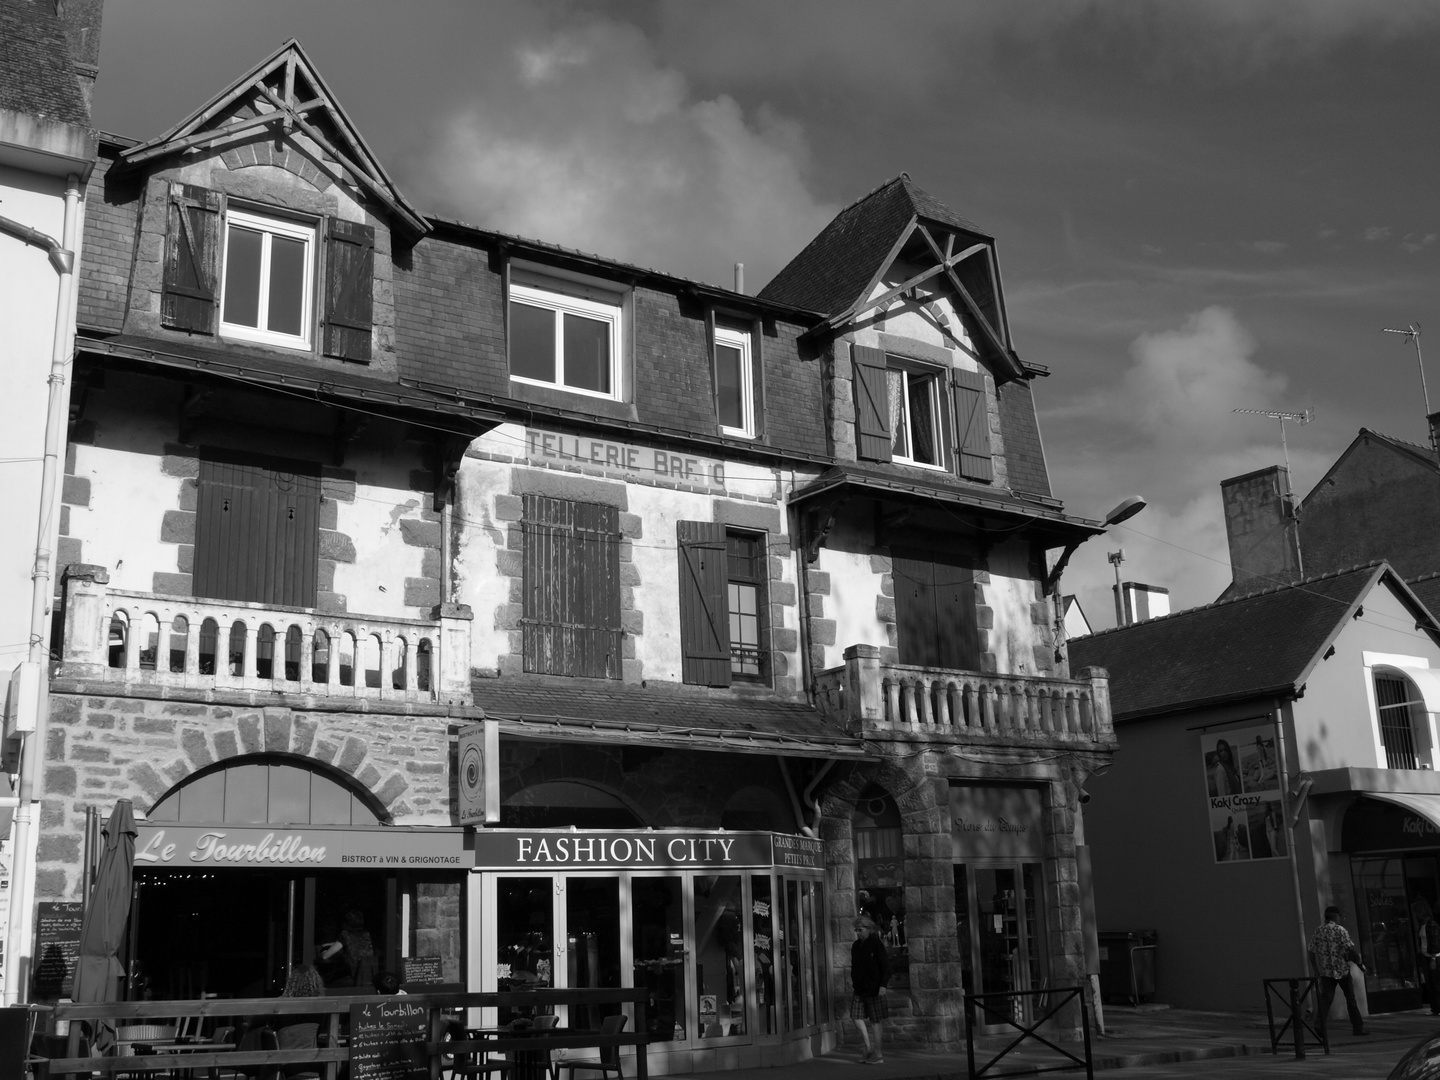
(1286, 811)
(19, 945)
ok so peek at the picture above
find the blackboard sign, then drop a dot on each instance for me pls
(57, 946)
(387, 1041)
(424, 970)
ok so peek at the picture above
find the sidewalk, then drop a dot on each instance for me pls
(1146, 1042)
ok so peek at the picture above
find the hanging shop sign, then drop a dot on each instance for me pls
(478, 783)
(187, 847)
(606, 455)
(605, 850)
(1242, 791)
(996, 822)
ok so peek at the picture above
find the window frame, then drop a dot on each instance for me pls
(1419, 750)
(759, 581)
(744, 341)
(939, 399)
(564, 303)
(269, 226)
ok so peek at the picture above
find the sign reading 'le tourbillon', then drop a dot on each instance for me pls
(478, 761)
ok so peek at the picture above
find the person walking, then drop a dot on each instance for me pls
(1331, 952)
(869, 972)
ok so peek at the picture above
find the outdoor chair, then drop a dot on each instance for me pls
(260, 1038)
(300, 1037)
(609, 1060)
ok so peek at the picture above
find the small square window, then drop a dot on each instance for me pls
(268, 289)
(567, 341)
(915, 416)
(734, 382)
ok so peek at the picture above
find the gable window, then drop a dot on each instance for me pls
(723, 604)
(914, 416)
(1402, 715)
(734, 382)
(570, 620)
(269, 279)
(565, 339)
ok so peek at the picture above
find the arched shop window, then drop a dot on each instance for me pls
(558, 803)
(266, 790)
(1401, 709)
(880, 873)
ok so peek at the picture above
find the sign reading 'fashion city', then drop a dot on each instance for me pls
(631, 850)
(174, 847)
(1242, 785)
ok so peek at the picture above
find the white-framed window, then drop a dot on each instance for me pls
(565, 340)
(735, 382)
(1404, 724)
(268, 290)
(915, 396)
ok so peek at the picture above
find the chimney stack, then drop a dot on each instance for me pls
(81, 21)
(1262, 526)
(1434, 421)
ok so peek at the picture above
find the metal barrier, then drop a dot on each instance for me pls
(200, 1061)
(1293, 999)
(1005, 1007)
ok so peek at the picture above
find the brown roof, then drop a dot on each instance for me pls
(1259, 645)
(36, 72)
(837, 266)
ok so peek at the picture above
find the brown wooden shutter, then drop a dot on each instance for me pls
(874, 440)
(935, 623)
(972, 421)
(571, 578)
(704, 615)
(257, 532)
(192, 259)
(349, 289)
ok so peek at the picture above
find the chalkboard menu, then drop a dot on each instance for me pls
(421, 970)
(387, 1041)
(57, 946)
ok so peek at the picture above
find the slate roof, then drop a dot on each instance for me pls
(620, 713)
(36, 72)
(837, 266)
(1258, 645)
(1426, 588)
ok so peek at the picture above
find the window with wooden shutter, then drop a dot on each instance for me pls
(571, 577)
(872, 404)
(349, 289)
(192, 259)
(257, 529)
(704, 613)
(972, 421)
(935, 611)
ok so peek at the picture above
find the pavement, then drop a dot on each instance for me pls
(1143, 1043)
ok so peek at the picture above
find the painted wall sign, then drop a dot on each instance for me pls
(478, 784)
(549, 447)
(1242, 791)
(996, 822)
(595, 850)
(175, 847)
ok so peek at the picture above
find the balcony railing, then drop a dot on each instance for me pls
(870, 697)
(142, 639)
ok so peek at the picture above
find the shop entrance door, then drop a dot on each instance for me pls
(999, 916)
(1393, 894)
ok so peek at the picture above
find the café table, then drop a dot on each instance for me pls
(525, 1064)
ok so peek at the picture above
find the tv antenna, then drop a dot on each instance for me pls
(1413, 333)
(1301, 418)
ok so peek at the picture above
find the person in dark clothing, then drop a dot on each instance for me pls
(869, 972)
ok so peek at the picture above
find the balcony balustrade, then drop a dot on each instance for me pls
(134, 638)
(870, 697)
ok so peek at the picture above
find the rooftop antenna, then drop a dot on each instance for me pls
(1413, 333)
(1301, 418)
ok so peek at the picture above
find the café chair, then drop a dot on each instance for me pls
(300, 1037)
(259, 1038)
(609, 1060)
(467, 1066)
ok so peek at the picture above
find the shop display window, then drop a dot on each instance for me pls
(762, 924)
(658, 937)
(719, 956)
(524, 936)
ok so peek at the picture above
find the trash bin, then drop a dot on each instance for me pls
(1127, 965)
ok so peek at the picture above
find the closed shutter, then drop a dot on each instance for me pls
(192, 259)
(935, 612)
(257, 534)
(873, 440)
(349, 289)
(704, 616)
(571, 578)
(972, 416)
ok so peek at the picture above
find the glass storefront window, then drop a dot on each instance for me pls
(762, 923)
(794, 1016)
(592, 942)
(524, 936)
(1386, 934)
(719, 956)
(658, 937)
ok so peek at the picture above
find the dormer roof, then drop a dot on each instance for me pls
(285, 95)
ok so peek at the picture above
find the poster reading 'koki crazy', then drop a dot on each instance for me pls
(1242, 781)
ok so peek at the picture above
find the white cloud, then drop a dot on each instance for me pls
(1267, 247)
(1376, 232)
(1413, 242)
(608, 150)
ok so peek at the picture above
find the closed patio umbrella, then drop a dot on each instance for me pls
(98, 968)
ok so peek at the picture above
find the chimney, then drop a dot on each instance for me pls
(81, 22)
(739, 277)
(1262, 526)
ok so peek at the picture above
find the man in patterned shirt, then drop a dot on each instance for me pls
(1331, 951)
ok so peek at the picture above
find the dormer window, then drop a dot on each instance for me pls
(915, 416)
(268, 289)
(734, 382)
(563, 337)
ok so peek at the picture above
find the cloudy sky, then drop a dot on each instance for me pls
(1200, 205)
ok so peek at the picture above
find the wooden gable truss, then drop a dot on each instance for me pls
(284, 92)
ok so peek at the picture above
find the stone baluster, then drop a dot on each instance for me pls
(943, 691)
(412, 671)
(249, 672)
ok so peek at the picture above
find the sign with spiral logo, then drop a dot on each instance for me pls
(478, 760)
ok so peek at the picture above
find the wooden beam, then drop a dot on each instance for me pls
(974, 308)
(238, 127)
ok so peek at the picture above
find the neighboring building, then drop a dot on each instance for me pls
(1277, 755)
(1143, 602)
(46, 153)
(345, 480)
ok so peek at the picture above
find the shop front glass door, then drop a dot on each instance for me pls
(524, 936)
(658, 936)
(719, 956)
(1002, 913)
(1387, 931)
(592, 943)
(763, 924)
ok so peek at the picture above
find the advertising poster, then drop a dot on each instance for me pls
(1242, 783)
